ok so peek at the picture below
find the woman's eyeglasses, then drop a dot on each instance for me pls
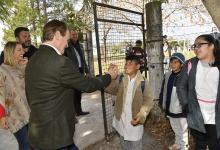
(197, 46)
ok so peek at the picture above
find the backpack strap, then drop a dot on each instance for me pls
(143, 85)
(121, 78)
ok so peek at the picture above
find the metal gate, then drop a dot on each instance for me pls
(116, 30)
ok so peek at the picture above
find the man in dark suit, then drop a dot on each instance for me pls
(75, 52)
(22, 36)
(50, 79)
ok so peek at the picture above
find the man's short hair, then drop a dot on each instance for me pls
(18, 30)
(133, 58)
(52, 27)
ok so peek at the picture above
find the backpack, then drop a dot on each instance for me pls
(142, 82)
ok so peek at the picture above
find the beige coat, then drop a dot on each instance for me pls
(12, 96)
(142, 101)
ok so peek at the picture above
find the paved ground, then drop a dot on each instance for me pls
(89, 133)
(90, 128)
(148, 141)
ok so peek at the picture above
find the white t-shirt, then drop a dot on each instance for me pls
(207, 79)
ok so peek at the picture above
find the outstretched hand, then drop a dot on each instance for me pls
(113, 71)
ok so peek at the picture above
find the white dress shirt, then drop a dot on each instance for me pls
(58, 52)
(78, 58)
(124, 126)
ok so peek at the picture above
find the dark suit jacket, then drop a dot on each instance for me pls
(70, 53)
(32, 49)
(50, 79)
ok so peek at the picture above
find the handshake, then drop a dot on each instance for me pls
(113, 71)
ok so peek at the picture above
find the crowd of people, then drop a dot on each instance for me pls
(40, 92)
(37, 90)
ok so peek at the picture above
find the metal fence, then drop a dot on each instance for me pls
(116, 30)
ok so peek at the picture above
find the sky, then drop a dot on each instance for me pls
(186, 23)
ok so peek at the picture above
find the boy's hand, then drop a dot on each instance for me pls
(135, 121)
(113, 71)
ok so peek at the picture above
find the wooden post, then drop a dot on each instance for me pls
(154, 45)
(213, 8)
(89, 52)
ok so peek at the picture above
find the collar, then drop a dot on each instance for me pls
(133, 79)
(176, 73)
(58, 52)
(138, 76)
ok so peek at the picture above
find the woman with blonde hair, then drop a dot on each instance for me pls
(14, 109)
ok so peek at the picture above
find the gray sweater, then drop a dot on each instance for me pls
(187, 95)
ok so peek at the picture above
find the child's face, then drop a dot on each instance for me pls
(131, 67)
(204, 48)
(175, 65)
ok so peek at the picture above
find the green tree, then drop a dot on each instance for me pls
(23, 14)
(34, 14)
(4, 11)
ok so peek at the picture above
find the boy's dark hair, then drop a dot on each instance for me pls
(133, 58)
(138, 42)
(18, 30)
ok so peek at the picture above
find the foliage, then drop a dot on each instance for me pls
(34, 14)
(3, 8)
(18, 18)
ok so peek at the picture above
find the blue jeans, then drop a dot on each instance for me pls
(70, 147)
(22, 138)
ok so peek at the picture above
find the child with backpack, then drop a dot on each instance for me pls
(133, 103)
(170, 103)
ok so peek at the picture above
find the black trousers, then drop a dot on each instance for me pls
(77, 101)
(209, 138)
(77, 98)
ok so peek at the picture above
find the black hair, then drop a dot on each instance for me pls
(211, 40)
(133, 58)
(138, 42)
(18, 30)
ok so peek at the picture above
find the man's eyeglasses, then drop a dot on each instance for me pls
(197, 46)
